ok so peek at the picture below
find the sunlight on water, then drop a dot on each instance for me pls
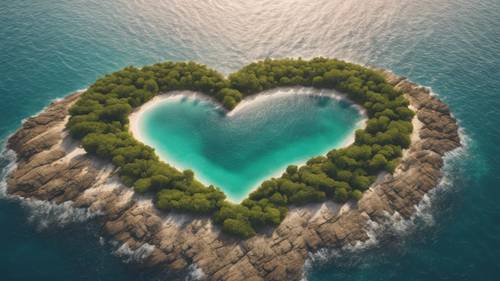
(50, 48)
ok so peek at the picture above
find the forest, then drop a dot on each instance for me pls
(100, 120)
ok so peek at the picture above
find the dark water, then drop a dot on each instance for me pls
(49, 48)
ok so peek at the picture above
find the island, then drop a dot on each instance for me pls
(100, 118)
(80, 150)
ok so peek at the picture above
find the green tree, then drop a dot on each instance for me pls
(142, 185)
(378, 162)
(229, 102)
(151, 86)
(341, 194)
(356, 194)
(100, 116)
(116, 112)
(239, 228)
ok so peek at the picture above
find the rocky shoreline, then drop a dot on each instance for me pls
(52, 167)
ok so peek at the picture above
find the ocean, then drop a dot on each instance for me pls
(50, 48)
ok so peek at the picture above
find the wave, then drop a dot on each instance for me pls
(128, 255)
(58, 99)
(41, 213)
(395, 225)
(45, 214)
(194, 273)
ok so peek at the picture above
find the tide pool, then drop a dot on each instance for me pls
(258, 139)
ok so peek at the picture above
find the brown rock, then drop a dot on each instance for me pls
(47, 170)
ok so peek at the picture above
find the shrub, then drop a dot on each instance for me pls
(356, 194)
(238, 227)
(142, 185)
(100, 117)
(341, 194)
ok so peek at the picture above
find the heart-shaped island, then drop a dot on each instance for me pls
(100, 119)
(343, 198)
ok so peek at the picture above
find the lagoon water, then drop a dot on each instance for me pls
(50, 48)
(258, 139)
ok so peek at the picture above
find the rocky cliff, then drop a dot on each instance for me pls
(51, 166)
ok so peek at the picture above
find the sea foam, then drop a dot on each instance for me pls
(128, 255)
(41, 213)
(395, 225)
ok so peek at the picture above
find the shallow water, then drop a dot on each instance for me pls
(257, 140)
(50, 48)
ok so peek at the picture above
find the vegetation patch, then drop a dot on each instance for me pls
(100, 120)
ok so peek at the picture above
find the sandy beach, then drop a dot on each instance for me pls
(136, 115)
(135, 122)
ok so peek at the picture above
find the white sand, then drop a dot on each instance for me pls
(135, 119)
(136, 116)
(415, 134)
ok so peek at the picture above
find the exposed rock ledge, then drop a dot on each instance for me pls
(52, 167)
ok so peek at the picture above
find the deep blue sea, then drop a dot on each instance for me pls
(50, 48)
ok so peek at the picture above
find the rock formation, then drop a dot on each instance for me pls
(51, 166)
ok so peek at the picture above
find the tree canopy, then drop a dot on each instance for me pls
(100, 120)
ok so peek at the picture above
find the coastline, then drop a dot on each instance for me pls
(48, 170)
(136, 117)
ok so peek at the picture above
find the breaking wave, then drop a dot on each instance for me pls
(41, 213)
(45, 214)
(194, 273)
(128, 255)
(395, 226)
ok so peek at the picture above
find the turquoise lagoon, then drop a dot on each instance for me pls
(258, 139)
(51, 48)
